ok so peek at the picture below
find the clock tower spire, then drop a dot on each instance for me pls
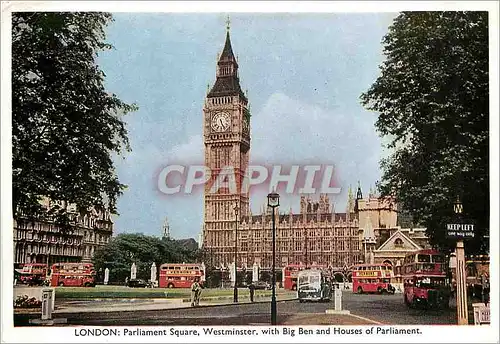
(226, 135)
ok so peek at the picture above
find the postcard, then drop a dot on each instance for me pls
(247, 171)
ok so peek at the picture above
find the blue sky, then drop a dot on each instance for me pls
(303, 72)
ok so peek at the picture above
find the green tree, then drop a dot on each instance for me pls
(124, 249)
(65, 125)
(432, 100)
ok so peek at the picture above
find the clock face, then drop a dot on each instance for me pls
(221, 121)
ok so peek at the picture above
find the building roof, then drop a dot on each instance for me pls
(402, 236)
(227, 52)
(227, 85)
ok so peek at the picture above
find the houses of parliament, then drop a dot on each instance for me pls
(318, 234)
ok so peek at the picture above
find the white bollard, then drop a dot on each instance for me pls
(47, 304)
(338, 298)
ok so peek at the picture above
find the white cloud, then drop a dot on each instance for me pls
(191, 151)
(288, 130)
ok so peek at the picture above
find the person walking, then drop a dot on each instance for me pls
(195, 293)
(251, 289)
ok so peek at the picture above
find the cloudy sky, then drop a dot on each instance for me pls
(304, 74)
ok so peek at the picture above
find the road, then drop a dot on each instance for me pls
(386, 309)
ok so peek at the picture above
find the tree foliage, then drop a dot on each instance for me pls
(125, 249)
(65, 125)
(432, 99)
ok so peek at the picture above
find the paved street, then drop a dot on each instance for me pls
(390, 309)
(386, 309)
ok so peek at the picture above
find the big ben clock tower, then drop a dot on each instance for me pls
(226, 132)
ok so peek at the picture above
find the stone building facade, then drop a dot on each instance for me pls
(45, 242)
(318, 234)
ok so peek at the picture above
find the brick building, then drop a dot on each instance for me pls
(45, 242)
(318, 234)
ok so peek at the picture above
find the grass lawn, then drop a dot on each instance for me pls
(125, 292)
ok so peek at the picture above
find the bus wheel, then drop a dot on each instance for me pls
(360, 290)
(61, 284)
(87, 285)
(170, 285)
(294, 287)
(380, 290)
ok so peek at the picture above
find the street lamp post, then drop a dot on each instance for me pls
(273, 201)
(235, 296)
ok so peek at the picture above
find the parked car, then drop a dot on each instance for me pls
(35, 280)
(261, 285)
(138, 283)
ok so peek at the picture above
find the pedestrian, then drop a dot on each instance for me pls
(198, 293)
(251, 289)
(126, 281)
(195, 291)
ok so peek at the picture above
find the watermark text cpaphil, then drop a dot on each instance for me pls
(292, 179)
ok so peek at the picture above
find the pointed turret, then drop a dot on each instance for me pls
(350, 200)
(227, 53)
(359, 194)
(227, 82)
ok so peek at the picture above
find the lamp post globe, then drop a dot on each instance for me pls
(273, 201)
(458, 208)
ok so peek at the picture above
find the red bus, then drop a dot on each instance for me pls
(31, 273)
(72, 275)
(425, 279)
(180, 275)
(372, 278)
(291, 271)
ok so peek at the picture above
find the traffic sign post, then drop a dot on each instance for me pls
(460, 231)
(462, 312)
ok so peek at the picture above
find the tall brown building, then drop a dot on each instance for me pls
(226, 122)
(38, 241)
(318, 234)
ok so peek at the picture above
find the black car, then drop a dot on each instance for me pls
(138, 283)
(261, 285)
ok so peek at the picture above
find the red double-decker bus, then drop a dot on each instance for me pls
(290, 273)
(425, 278)
(72, 275)
(180, 275)
(31, 273)
(372, 278)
